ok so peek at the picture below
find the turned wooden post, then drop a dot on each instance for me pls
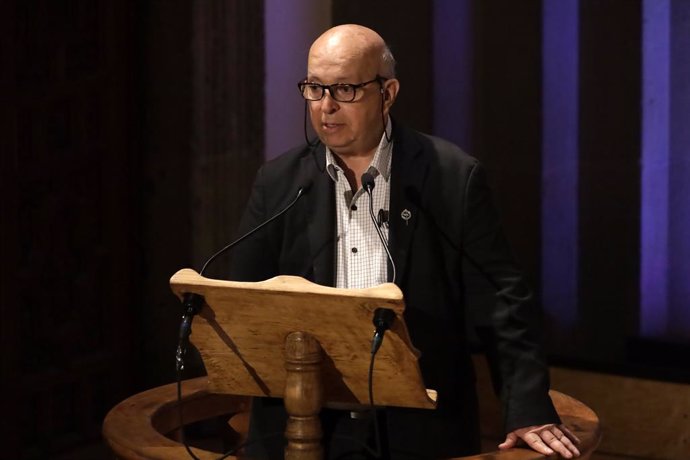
(303, 397)
(245, 333)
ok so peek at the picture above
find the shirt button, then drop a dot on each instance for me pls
(354, 250)
(353, 207)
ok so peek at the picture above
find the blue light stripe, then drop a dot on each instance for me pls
(655, 167)
(453, 71)
(679, 173)
(560, 149)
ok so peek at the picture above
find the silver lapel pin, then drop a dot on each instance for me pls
(406, 216)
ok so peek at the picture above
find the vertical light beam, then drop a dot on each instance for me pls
(679, 172)
(655, 167)
(453, 50)
(560, 150)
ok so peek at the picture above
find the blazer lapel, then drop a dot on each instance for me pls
(321, 216)
(408, 172)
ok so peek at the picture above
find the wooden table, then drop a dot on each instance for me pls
(136, 428)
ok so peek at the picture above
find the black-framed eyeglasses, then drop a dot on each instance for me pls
(341, 92)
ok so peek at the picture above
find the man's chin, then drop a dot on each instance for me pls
(335, 145)
(340, 150)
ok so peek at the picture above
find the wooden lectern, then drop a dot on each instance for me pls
(308, 344)
(302, 342)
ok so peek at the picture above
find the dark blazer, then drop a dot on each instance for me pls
(452, 223)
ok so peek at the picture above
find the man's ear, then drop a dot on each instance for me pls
(390, 92)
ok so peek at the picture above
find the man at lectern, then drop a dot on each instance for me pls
(433, 206)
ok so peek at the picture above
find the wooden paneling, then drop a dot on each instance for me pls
(609, 176)
(67, 252)
(202, 142)
(639, 417)
(406, 27)
(228, 126)
(507, 135)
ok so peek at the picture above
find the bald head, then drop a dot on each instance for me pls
(355, 58)
(354, 45)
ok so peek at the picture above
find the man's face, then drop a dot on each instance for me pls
(347, 128)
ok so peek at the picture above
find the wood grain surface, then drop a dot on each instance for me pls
(241, 331)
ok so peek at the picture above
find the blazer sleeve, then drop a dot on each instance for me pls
(254, 259)
(515, 320)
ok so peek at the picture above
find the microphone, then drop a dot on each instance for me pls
(383, 320)
(301, 190)
(382, 217)
(368, 185)
(368, 182)
(192, 302)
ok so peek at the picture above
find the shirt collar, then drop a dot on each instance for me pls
(380, 164)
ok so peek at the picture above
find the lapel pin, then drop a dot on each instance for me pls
(406, 216)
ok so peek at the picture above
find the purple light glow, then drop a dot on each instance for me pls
(655, 167)
(665, 220)
(560, 161)
(679, 173)
(290, 29)
(453, 71)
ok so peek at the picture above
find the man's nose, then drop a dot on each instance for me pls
(328, 104)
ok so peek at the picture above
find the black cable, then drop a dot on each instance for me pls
(306, 137)
(383, 115)
(300, 192)
(383, 318)
(226, 454)
(193, 302)
(368, 188)
(376, 451)
(377, 432)
(183, 437)
(382, 81)
(248, 443)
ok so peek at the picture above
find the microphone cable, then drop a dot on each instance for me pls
(192, 304)
(368, 185)
(383, 319)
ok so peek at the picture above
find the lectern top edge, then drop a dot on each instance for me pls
(284, 283)
(242, 333)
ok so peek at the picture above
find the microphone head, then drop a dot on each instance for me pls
(368, 182)
(383, 318)
(305, 185)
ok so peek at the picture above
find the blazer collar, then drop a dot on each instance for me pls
(408, 173)
(320, 207)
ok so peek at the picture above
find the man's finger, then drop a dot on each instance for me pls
(569, 434)
(559, 442)
(510, 442)
(535, 442)
(567, 438)
(570, 446)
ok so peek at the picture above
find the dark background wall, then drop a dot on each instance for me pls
(407, 29)
(609, 197)
(130, 133)
(71, 221)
